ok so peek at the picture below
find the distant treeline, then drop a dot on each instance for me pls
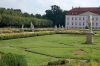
(15, 18)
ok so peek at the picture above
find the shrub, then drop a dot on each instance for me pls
(54, 63)
(12, 60)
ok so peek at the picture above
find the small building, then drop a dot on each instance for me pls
(77, 17)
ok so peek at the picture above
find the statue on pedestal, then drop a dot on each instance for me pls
(32, 27)
(89, 33)
(55, 27)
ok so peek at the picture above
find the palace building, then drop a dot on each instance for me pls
(77, 17)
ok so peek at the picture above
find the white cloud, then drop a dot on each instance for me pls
(39, 6)
(86, 3)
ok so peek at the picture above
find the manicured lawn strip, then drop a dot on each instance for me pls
(32, 58)
(60, 45)
(69, 52)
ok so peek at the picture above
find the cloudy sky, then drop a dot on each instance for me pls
(39, 6)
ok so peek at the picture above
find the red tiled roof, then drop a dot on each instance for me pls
(77, 11)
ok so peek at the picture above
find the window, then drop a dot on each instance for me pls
(96, 19)
(75, 23)
(96, 24)
(80, 23)
(67, 18)
(76, 18)
(72, 23)
(92, 18)
(79, 18)
(92, 24)
(83, 18)
(67, 23)
(83, 23)
(72, 18)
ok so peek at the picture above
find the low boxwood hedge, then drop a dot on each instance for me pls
(56, 63)
(23, 35)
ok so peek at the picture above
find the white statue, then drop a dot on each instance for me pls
(90, 32)
(22, 26)
(59, 26)
(55, 27)
(32, 26)
(22, 29)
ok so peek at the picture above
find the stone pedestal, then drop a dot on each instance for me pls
(89, 39)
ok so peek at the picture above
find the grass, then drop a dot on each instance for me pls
(39, 50)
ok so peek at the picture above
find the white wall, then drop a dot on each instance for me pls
(78, 21)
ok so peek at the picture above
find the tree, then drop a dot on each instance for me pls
(0, 18)
(26, 15)
(1, 10)
(15, 18)
(38, 16)
(56, 15)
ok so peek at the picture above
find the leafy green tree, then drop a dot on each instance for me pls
(15, 18)
(26, 15)
(56, 15)
(38, 16)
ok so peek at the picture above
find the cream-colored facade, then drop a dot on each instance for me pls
(80, 21)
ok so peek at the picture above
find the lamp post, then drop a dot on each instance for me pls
(89, 33)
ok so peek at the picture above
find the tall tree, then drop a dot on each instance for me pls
(38, 16)
(15, 18)
(55, 14)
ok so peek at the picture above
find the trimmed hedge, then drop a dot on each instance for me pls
(23, 35)
(56, 63)
(62, 32)
(31, 34)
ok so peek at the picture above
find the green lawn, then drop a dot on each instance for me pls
(52, 47)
